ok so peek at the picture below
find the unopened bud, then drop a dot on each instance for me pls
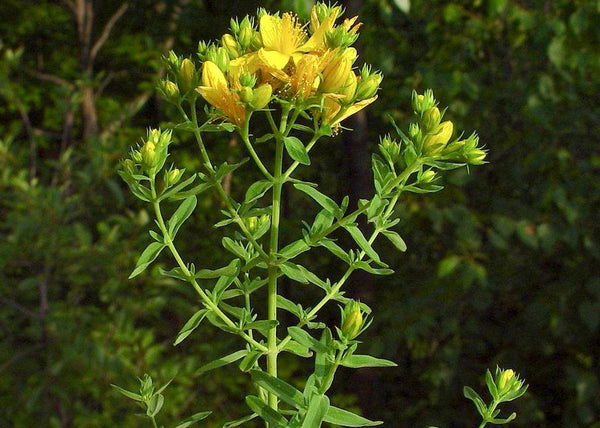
(245, 36)
(431, 119)
(128, 166)
(247, 79)
(246, 94)
(229, 43)
(336, 74)
(389, 148)
(148, 152)
(261, 96)
(187, 73)
(171, 90)
(172, 177)
(352, 320)
(434, 143)
(427, 176)
(414, 132)
(349, 88)
(422, 103)
(222, 59)
(368, 86)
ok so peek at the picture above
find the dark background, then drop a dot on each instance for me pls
(502, 266)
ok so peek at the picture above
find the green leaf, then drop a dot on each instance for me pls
(317, 409)
(263, 325)
(368, 268)
(362, 242)
(235, 247)
(337, 416)
(293, 249)
(249, 360)
(181, 215)
(259, 407)
(223, 361)
(148, 256)
(358, 361)
(257, 190)
(280, 388)
(448, 265)
(193, 419)
(155, 404)
(289, 306)
(323, 200)
(295, 348)
(128, 394)
(240, 421)
(294, 271)
(231, 270)
(395, 239)
(335, 249)
(403, 5)
(304, 338)
(190, 326)
(475, 398)
(296, 150)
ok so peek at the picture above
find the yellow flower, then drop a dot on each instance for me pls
(320, 28)
(337, 70)
(305, 79)
(333, 113)
(216, 92)
(281, 38)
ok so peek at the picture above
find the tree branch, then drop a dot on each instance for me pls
(107, 29)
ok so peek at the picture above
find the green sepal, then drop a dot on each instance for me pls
(197, 417)
(279, 387)
(190, 326)
(223, 361)
(274, 419)
(148, 256)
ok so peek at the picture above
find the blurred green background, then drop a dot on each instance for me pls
(503, 266)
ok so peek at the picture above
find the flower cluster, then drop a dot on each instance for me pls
(276, 57)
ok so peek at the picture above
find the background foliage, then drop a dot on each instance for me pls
(501, 268)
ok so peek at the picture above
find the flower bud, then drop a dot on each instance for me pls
(247, 79)
(172, 177)
(148, 152)
(222, 59)
(246, 33)
(246, 94)
(427, 176)
(352, 320)
(187, 75)
(422, 103)
(261, 96)
(414, 132)
(349, 88)
(431, 119)
(171, 90)
(230, 45)
(368, 87)
(389, 148)
(434, 143)
(202, 49)
(335, 74)
(128, 166)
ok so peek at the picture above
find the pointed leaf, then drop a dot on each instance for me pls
(249, 360)
(358, 361)
(181, 215)
(476, 399)
(323, 200)
(239, 421)
(395, 239)
(296, 150)
(362, 242)
(259, 407)
(337, 416)
(223, 361)
(257, 190)
(304, 338)
(190, 326)
(128, 394)
(148, 256)
(193, 419)
(317, 409)
(231, 270)
(279, 387)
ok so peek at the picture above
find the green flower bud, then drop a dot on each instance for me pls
(246, 94)
(234, 25)
(171, 90)
(261, 96)
(435, 142)
(187, 75)
(368, 87)
(203, 48)
(422, 103)
(172, 177)
(352, 320)
(247, 79)
(414, 132)
(427, 176)
(390, 149)
(431, 119)
(230, 45)
(222, 59)
(246, 33)
(149, 157)
(128, 166)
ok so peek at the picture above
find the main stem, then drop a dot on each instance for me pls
(273, 248)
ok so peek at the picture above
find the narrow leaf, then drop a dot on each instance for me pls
(257, 190)
(190, 326)
(296, 150)
(358, 361)
(345, 418)
(148, 256)
(128, 394)
(239, 421)
(259, 407)
(323, 200)
(280, 388)
(362, 242)
(231, 270)
(223, 361)
(395, 239)
(193, 419)
(317, 409)
(181, 215)
(249, 360)
(304, 338)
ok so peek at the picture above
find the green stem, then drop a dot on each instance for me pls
(328, 380)
(273, 248)
(154, 424)
(245, 134)
(205, 298)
